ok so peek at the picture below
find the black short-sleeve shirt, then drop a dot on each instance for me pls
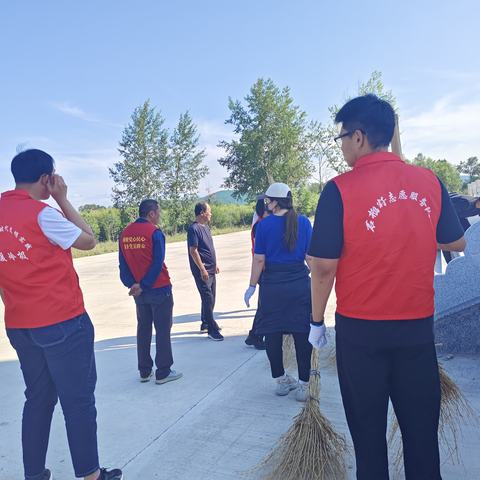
(200, 236)
(327, 242)
(327, 236)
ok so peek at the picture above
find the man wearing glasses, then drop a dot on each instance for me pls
(376, 233)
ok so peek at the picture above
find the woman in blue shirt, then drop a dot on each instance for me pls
(281, 244)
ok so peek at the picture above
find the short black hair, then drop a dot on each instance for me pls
(28, 166)
(260, 207)
(374, 116)
(146, 206)
(200, 208)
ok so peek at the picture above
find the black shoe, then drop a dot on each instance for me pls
(145, 377)
(204, 327)
(115, 474)
(255, 341)
(47, 475)
(215, 335)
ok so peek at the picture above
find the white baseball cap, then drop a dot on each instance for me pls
(278, 190)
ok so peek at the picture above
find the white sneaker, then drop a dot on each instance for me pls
(173, 375)
(285, 384)
(301, 393)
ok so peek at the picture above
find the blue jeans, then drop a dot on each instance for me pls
(58, 362)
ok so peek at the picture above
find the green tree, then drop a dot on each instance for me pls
(307, 199)
(444, 170)
(470, 167)
(185, 170)
(328, 153)
(144, 150)
(271, 144)
(110, 224)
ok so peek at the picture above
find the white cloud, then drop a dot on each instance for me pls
(86, 174)
(73, 111)
(450, 129)
(211, 132)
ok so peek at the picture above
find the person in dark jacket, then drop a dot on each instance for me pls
(253, 339)
(466, 207)
(281, 244)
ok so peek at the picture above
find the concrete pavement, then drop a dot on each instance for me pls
(221, 418)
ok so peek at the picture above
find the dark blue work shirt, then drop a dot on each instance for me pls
(200, 236)
(269, 240)
(465, 206)
(158, 257)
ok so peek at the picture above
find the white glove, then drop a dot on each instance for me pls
(248, 295)
(317, 335)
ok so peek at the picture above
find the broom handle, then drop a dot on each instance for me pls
(396, 144)
(314, 384)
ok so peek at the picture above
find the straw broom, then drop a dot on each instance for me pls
(310, 449)
(326, 355)
(454, 410)
(454, 407)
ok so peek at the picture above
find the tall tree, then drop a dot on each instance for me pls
(470, 167)
(185, 170)
(331, 154)
(444, 170)
(144, 150)
(272, 143)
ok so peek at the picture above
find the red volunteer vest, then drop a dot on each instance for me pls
(252, 236)
(38, 279)
(391, 210)
(137, 248)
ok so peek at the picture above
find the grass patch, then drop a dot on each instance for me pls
(109, 247)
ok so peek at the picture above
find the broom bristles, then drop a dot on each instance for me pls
(310, 449)
(454, 411)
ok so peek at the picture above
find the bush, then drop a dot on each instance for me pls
(224, 216)
(108, 223)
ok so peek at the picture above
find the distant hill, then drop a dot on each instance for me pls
(225, 197)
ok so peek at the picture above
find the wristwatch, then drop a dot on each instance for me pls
(317, 324)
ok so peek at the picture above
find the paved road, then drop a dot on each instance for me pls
(218, 421)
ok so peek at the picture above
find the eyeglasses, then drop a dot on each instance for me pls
(338, 140)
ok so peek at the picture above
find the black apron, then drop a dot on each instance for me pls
(285, 299)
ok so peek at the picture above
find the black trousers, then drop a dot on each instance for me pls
(208, 292)
(408, 375)
(154, 308)
(447, 256)
(303, 352)
(256, 321)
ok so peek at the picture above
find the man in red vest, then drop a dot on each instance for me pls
(376, 233)
(143, 271)
(45, 317)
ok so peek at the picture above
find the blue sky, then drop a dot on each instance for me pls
(72, 72)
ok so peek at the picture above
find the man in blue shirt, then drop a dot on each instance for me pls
(203, 264)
